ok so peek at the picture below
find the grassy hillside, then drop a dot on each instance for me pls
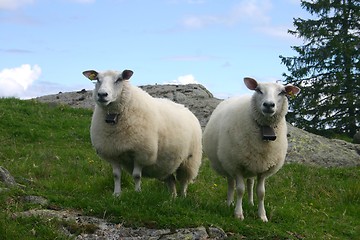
(47, 149)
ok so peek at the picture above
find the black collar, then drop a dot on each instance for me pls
(112, 118)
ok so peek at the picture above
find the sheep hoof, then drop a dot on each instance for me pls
(239, 216)
(137, 179)
(174, 195)
(264, 218)
(137, 189)
(116, 194)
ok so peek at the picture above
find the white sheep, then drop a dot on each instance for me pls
(146, 136)
(246, 137)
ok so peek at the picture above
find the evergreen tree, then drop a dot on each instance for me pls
(327, 68)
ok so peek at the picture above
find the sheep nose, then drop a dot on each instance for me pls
(269, 105)
(102, 95)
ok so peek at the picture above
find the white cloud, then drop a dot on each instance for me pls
(183, 80)
(15, 81)
(251, 10)
(14, 4)
(254, 11)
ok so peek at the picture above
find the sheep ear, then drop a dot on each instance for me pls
(250, 83)
(126, 74)
(91, 74)
(292, 90)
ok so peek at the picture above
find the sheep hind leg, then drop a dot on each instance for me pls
(117, 179)
(183, 176)
(183, 187)
(231, 189)
(261, 196)
(171, 183)
(240, 190)
(250, 187)
(136, 174)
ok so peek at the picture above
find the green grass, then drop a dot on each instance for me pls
(48, 151)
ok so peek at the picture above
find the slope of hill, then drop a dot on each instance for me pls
(54, 186)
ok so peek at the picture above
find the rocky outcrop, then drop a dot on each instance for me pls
(80, 99)
(92, 228)
(194, 96)
(311, 149)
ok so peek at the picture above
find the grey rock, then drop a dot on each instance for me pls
(36, 200)
(7, 178)
(311, 149)
(105, 230)
(216, 233)
(80, 99)
(194, 96)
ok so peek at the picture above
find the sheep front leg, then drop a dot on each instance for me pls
(137, 176)
(117, 179)
(261, 196)
(230, 192)
(250, 187)
(240, 190)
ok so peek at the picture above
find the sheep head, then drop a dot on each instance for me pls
(109, 84)
(270, 99)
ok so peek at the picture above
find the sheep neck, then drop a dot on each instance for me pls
(267, 127)
(261, 120)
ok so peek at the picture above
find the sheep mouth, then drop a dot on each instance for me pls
(268, 112)
(103, 101)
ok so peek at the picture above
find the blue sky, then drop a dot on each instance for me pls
(45, 45)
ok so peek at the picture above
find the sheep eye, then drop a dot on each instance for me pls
(282, 92)
(118, 80)
(258, 91)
